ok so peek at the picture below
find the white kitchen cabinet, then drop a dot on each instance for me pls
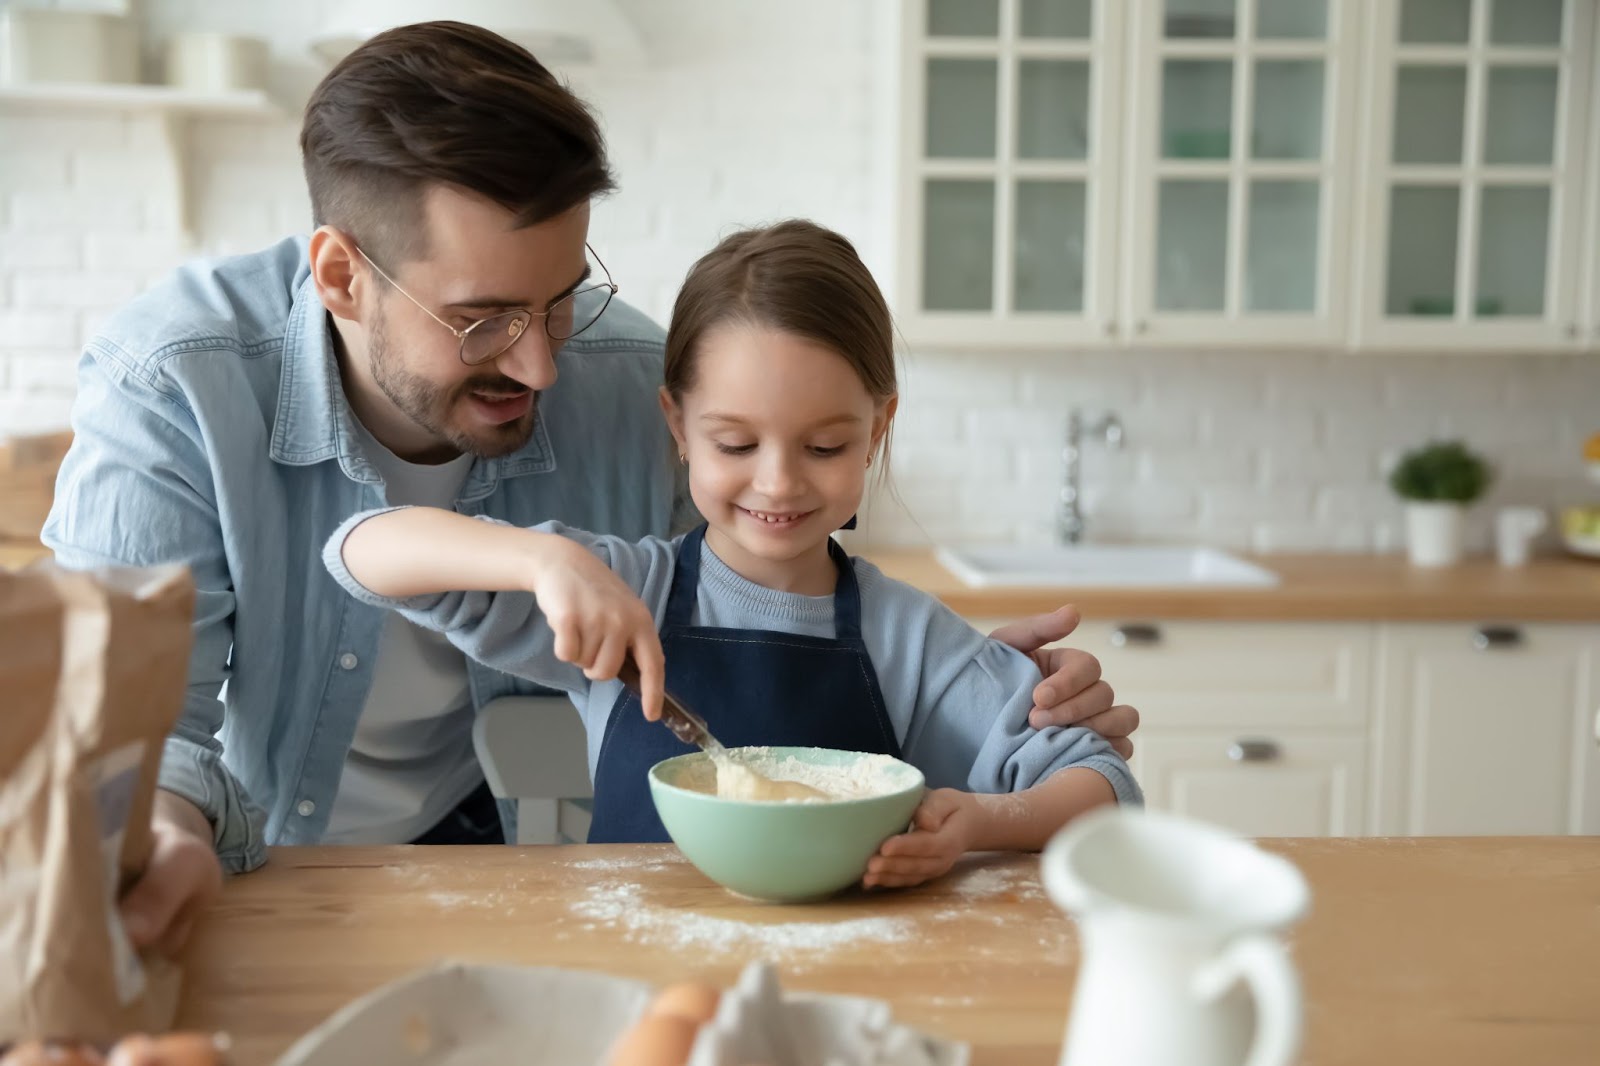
(1239, 164)
(1254, 783)
(1008, 206)
(1382, 174)
(1474, 174)
(1487, 730)
(1260, 727)
(1311, 728)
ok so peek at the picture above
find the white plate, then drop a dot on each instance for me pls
(1589, 546)
(458, 1014)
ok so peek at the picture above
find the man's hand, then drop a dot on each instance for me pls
(180, 881)
(1072, 692)
(942, 831)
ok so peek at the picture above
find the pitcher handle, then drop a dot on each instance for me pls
(1262, 962)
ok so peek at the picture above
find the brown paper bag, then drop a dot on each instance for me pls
(92, 674)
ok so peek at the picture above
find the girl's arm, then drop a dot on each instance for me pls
(420, 551)
(995, 782)
(949, 823)
(594, 617)
(1026, 820)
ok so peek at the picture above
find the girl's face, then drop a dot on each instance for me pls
(777, 430)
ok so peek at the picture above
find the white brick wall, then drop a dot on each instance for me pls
(748, 112)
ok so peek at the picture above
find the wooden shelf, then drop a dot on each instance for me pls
(140, 98)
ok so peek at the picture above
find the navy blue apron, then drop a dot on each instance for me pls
(752, 686)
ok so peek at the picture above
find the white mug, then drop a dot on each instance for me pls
(1181, 961)
(1514, 530)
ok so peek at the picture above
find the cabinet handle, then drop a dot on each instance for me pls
(1136, 635)
(1141, 326)
(1254, 751)
(1111, 329)
(1573, 331)
(1487, 638)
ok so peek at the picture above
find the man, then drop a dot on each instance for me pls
(406, 353)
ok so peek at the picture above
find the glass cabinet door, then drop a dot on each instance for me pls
(1238, 227)
(1007, 210)
(1475, 187)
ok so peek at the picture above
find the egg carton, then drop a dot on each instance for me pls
(458, 1014)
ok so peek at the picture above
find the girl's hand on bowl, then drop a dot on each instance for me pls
(941, 832)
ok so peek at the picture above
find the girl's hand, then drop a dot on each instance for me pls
(597, 619)
(941, 832)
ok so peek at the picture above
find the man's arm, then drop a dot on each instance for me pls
(136, 489)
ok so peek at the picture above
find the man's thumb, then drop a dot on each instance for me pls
(148, 909)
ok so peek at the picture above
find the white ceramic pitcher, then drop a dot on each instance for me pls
(1180, 962)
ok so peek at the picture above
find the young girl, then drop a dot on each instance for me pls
(780, 386)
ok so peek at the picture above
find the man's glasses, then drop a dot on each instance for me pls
(489, 338)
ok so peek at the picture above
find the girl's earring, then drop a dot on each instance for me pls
(869, 460)
(682, 458)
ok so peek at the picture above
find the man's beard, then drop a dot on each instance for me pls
(430, 406)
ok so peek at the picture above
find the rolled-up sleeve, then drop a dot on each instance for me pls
(135, 489)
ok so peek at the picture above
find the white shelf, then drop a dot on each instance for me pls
(172, 107)
(140, 98)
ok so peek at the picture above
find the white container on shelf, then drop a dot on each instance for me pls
(204, 61)
(47, 46)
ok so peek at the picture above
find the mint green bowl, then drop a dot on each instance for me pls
(784, 852)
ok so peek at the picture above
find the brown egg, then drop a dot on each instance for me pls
(655, 1040)
(687, 999)
(174, 1049)
(51, 1053)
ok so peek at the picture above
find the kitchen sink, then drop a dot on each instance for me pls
(1100, 565)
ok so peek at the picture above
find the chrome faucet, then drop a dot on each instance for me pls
(1106, 428)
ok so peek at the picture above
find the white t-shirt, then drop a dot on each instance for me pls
(412, 759)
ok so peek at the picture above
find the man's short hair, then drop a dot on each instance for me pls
(444, 103)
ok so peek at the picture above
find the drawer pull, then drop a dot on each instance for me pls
(1136, 635)
(1486, 638)
(1254, 751)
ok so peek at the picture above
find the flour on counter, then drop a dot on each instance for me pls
(620, 904)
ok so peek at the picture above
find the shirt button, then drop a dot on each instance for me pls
(306, 808)
(348, 661)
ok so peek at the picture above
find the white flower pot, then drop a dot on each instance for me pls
(1434, 532)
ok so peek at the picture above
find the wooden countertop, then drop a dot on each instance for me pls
(1311, 588)
(15, 554)
(1472, 951)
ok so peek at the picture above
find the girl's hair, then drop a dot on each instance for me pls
(797, 277)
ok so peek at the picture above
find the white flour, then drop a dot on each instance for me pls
(622, 905)
(863, 776)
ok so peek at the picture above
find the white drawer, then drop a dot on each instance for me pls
(1234, 674)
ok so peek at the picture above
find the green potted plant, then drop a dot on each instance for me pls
(1437, 481)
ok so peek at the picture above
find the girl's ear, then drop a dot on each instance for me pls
(674, 413)
(880, 421)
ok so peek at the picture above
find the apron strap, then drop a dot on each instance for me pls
(686, 587)
(685, 579)
(846, 595)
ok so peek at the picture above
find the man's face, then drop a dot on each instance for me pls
(478, 264)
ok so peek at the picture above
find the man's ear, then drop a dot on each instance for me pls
(340, 285)
(674, 414)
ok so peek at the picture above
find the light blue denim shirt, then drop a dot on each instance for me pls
(211, 429)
